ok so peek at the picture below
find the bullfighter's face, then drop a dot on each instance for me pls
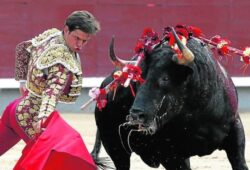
(75, 39)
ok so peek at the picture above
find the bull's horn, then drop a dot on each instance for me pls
(116, 61)
(188, 56)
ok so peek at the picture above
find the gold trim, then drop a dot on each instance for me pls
(58, 53)
(45, 36)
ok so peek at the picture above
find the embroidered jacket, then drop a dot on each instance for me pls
(52, 73)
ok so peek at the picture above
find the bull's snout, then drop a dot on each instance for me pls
(137, 115)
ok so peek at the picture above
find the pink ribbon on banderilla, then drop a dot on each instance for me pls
(121, 77)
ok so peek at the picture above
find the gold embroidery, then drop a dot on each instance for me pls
(42, 84)
(44, 36)
(19, 108)
(59, 87)
(31, 131)
(54, 80)
(27, 102)
(22, 60)
(20, 117)
(52, 103)
(64, 76)
(53, 86)
(32, 110)
(26, 116)
(23, 123)
(58, 53)
(61, 81)
(59, 74)
(35, 118)
(36, 107)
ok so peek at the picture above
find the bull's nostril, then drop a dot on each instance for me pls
(137, 114)
(129, 118)
(134, 116)
(151, 130)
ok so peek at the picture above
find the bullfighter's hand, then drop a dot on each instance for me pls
(22, 89)
(38, 126)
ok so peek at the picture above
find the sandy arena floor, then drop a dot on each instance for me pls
(83, 122)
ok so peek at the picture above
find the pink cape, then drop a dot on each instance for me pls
(58, 147)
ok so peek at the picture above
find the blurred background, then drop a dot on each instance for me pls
(23, 19)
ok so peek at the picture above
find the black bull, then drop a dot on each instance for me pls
(178, 112)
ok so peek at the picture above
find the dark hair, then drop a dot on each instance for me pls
(84, 21)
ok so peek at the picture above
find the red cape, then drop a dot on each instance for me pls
(58, 147)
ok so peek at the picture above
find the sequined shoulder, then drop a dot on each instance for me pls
(45, 36)
(56, 54)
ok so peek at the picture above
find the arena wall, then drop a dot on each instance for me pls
(23, 19)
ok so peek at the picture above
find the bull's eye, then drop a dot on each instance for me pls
(164, 81)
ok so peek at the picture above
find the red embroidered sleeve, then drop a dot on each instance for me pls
(22, 60)
(57, 79)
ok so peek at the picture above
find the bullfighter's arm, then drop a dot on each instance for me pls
(22, 57)
(57, 79)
